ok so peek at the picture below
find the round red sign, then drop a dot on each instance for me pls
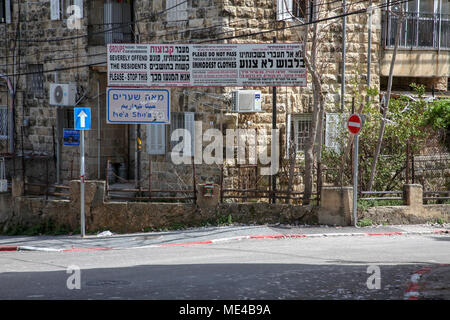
(354, 124)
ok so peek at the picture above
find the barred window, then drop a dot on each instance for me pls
(35, 78)
(302, 130)
(3, 122)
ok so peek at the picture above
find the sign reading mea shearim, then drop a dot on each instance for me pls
(197, 65)
(138, 105)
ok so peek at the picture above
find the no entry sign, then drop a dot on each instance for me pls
(354, 124)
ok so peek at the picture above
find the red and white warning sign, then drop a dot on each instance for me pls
(354, 124)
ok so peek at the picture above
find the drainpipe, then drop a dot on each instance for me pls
(10, 113)
(98, 130)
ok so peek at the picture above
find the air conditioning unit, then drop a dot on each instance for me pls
(247, 101)
(63, 94)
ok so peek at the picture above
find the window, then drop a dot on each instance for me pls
(5, 11)
(55, 10)
(69, 121)
(35, 78)
(183, 120)
(300, 127)
(426, 24)
(156, 138)
(301, 9)
(176, 10)
(116, 15)
(3, 122)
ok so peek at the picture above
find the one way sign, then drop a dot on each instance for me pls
(82, 118)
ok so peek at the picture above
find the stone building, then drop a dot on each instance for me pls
(49, 42)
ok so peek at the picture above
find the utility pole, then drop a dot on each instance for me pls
(369, 37)
(274, 127)
(400, 17)
(344, 34)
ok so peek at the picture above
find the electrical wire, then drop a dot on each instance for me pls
(236, 36)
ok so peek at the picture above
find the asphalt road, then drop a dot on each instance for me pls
(315, 268)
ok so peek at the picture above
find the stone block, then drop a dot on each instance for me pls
(17, 187)
(336, 206)
(205, 199)
(413, 195)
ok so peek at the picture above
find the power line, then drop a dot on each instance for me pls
(233, 37)
(166, 34)
(188, 30)
(123, 24)
(108, 30)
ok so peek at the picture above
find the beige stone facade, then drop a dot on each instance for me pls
(79, 56)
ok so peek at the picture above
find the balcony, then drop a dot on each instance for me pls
(424, 45)
(418, 30)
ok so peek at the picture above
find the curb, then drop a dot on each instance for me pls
(412, 291)
(288, 236)
(8, 248)
(413, 288)
(221, 240)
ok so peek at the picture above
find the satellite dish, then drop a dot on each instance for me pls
(58, 94)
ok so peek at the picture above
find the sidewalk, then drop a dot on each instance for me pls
(202, 236)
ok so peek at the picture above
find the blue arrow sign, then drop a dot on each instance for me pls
(82, 118)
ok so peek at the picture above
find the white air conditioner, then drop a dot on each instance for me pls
(63, 94)
(247, 101)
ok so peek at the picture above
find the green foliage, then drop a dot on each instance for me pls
(47, 227)
(404, 124)
(438, 114)
(364, 223)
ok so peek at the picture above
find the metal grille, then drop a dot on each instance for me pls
(420, 30)
(302, 127)
(3, 122)
(35, 78)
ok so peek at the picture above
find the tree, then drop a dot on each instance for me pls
(388, 96)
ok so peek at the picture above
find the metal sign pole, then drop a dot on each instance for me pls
(355, 180)
(83, 232)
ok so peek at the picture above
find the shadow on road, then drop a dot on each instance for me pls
(213, 281)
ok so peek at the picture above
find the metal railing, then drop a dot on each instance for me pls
(418, 30)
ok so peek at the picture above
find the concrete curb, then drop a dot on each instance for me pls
(222, 240)
(288, 236)
(412, 291)
(415, 286)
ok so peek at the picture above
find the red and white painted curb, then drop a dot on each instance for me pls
(412, 291)
(238, 238)
(30, 248)
(414, 288)
(288, 236)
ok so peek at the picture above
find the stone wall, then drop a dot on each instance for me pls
(215, 20)
(127, 217)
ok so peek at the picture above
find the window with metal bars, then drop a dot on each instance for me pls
(35, 78)
(302, 130)
(3, 122)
